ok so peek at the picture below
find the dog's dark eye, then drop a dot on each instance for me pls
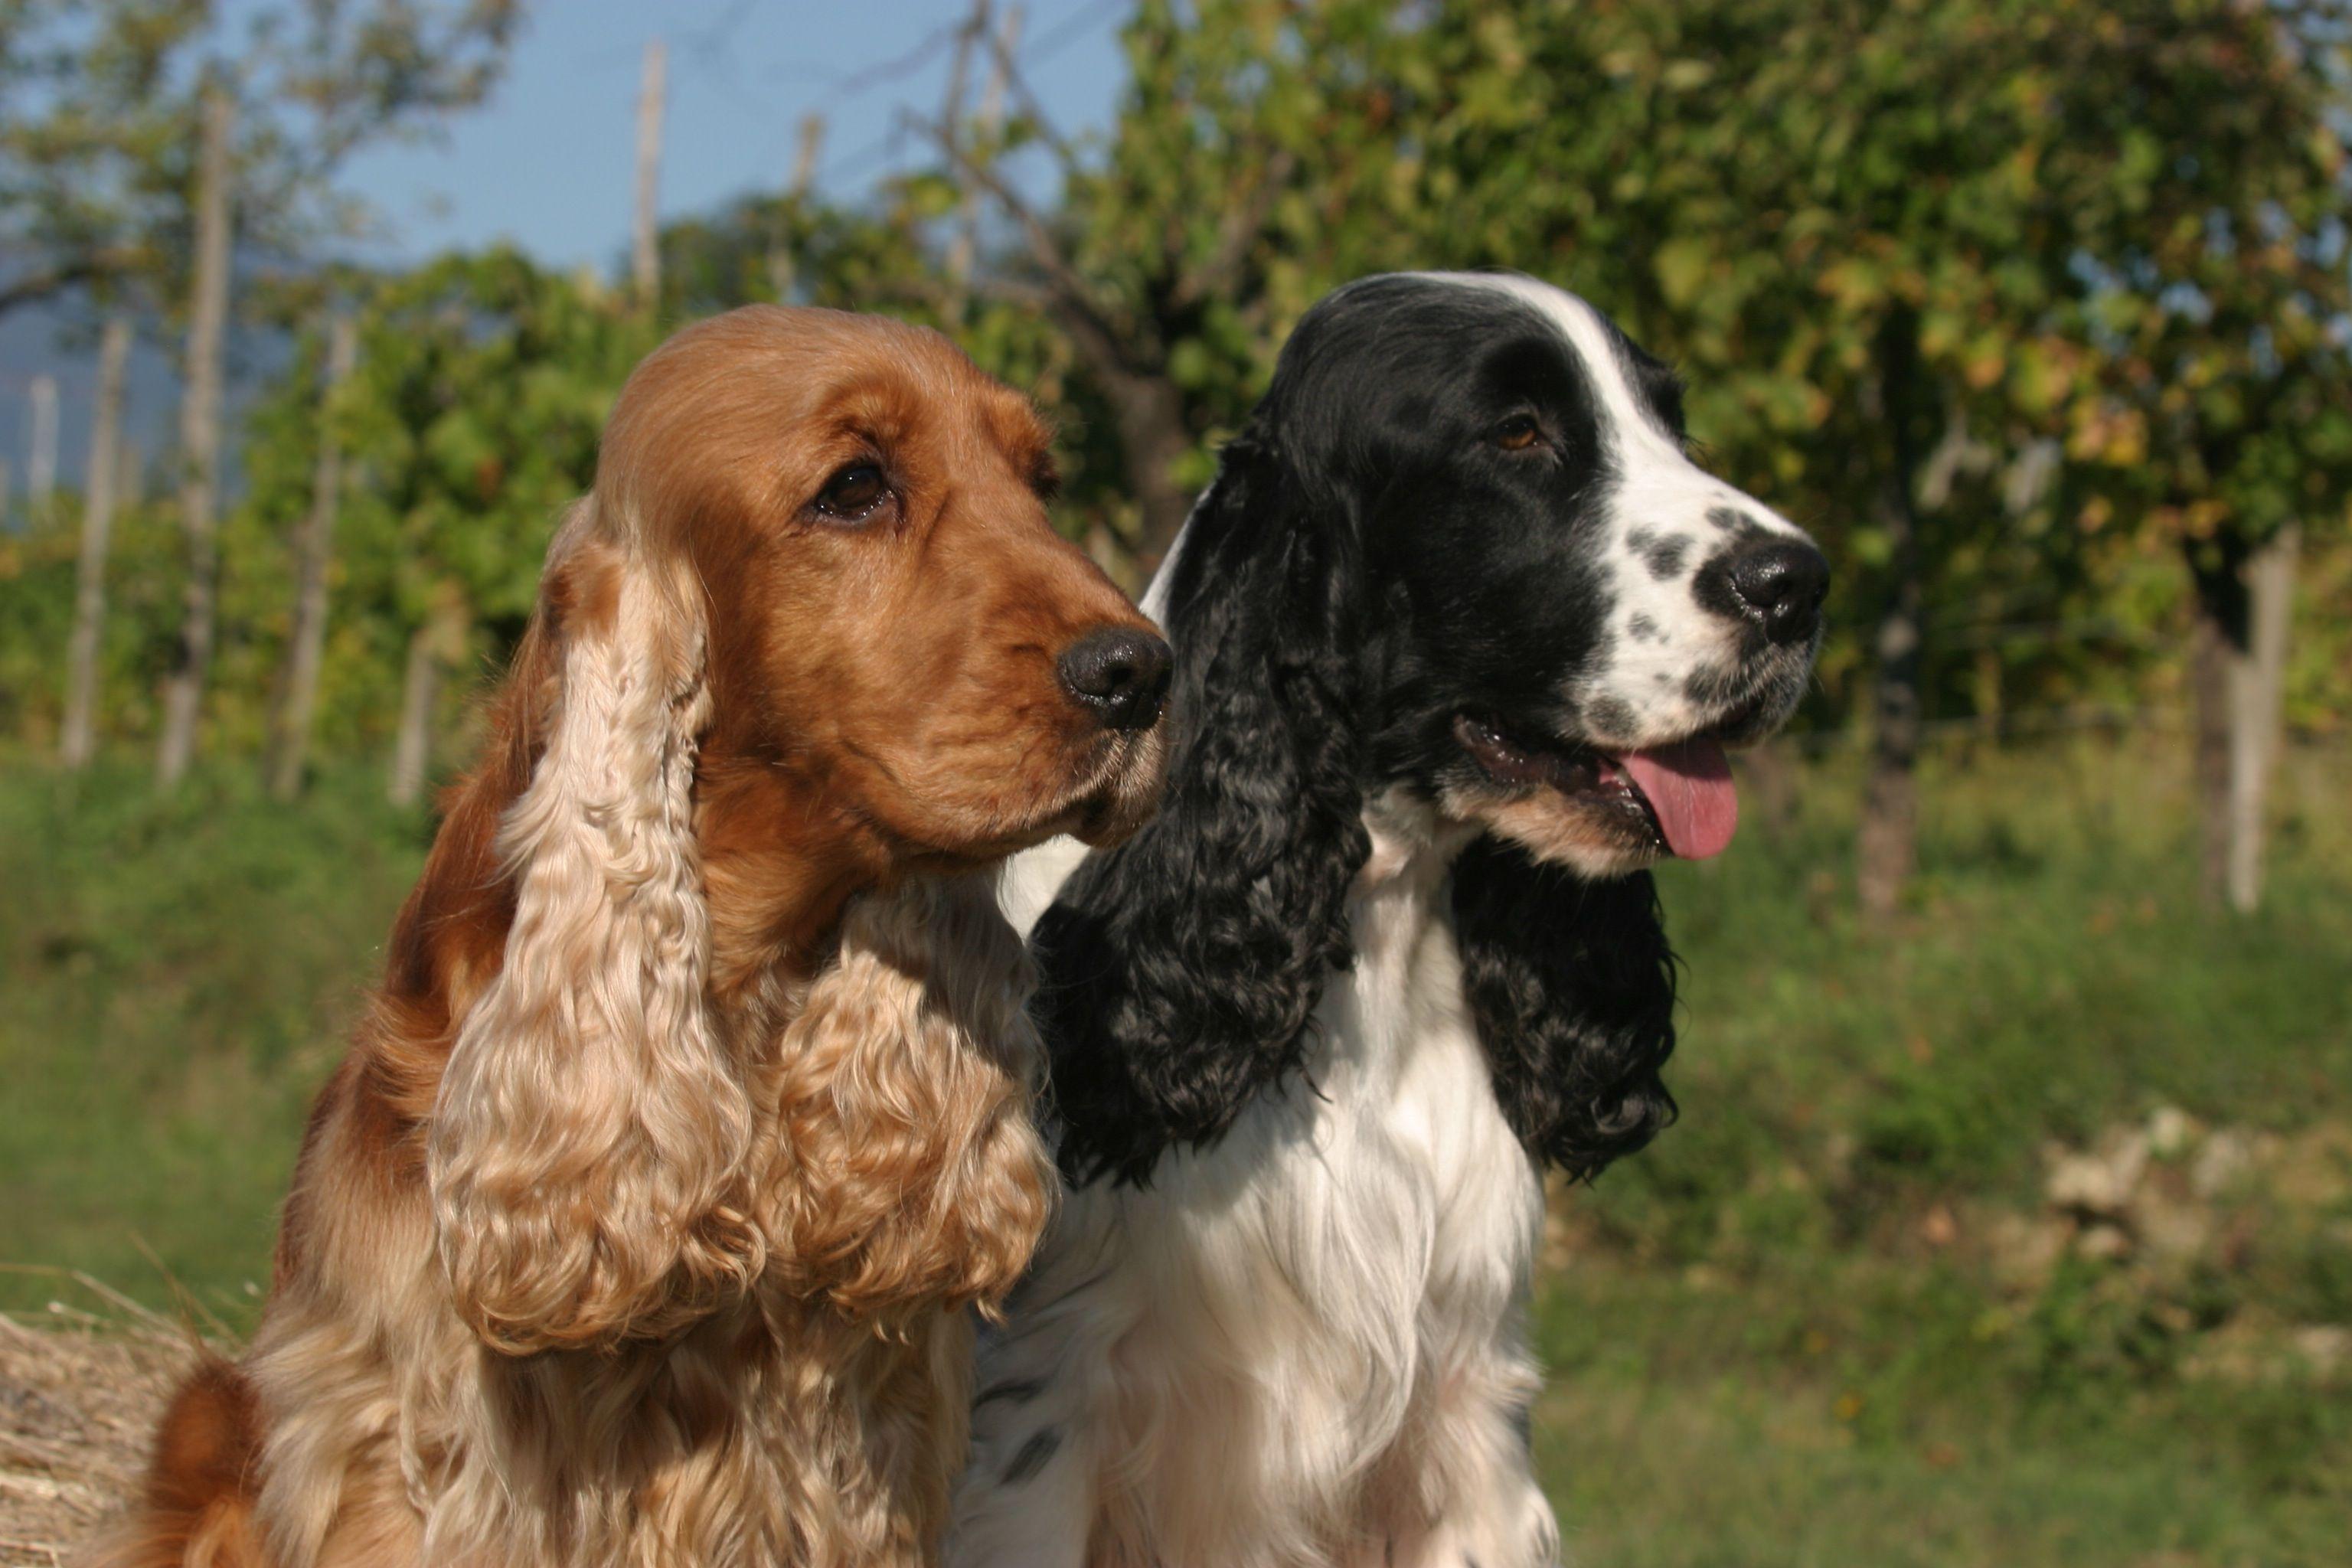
(853, 495)
(1518, 433)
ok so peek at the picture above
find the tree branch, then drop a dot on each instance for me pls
(96, 267)
(1070, 290)
(1031, 110)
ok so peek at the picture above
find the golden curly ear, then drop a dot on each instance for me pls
(906, 1171)
(588, 1141)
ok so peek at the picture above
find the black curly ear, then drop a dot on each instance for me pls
(1571, 984)
(1177, 972)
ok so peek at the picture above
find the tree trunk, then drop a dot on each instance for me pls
(1148, 408)
(2245, 598)
(314, 550)
(78, 738)
(412, 752)
(1887, 843)
(200, 440)
(645, 247)
(1152, 438)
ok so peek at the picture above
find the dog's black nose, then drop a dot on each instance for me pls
(1781, 583)
(1120, 673)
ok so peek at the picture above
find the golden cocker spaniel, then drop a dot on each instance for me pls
(638, 1226)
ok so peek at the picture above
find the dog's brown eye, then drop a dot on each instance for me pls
(854, 494)
(1518, 433)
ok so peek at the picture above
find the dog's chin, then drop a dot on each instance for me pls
(1111, 790)
(1117, 792)
(1130, 798)
(1593, 838)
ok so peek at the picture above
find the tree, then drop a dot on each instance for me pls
(342, 78)
(90, 116)
(1244, 175)
(2222, 428)
(200, 439)
(96, 104)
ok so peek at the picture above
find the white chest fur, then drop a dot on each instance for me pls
(1302, 1343)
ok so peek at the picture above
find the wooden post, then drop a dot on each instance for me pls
(964, 249)
(200, 439)
(782, 268)
(645, 251)
(434, 646)
(2257, 680)
(78, 738)
(314, 551)
(41, 460)
(959, 259)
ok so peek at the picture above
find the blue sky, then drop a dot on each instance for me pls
(549, 162)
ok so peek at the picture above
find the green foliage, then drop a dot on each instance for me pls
(37, 578)
(469, 425)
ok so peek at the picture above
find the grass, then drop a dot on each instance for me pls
(1797, 1331)
(1835, 1317)
(176, 977)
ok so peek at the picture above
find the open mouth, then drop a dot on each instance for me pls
(1678, 798)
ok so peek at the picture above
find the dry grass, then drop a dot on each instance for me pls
(79, 1392)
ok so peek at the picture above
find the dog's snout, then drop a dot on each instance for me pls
(1120, 674)
(1781, 583)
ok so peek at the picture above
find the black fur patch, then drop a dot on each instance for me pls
(1611, 716)
(1641, 628)
(1013, 1391)
(1034, 1456)
(1665, 559)
(1572, 986)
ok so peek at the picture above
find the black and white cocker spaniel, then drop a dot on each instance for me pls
(1461, 635)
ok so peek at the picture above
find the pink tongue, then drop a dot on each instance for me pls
(1688, 785)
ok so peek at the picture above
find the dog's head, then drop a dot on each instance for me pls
(1565, 619)
(809, 640)
(1459, 552)
(892, 622)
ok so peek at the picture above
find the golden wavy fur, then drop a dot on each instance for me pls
(639, 1224)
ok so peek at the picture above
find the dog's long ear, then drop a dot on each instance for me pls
(906, 1172)
(1179, 972)
(1572, 987)
(588, 1140)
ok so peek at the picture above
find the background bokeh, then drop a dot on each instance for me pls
(2009, 1217)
